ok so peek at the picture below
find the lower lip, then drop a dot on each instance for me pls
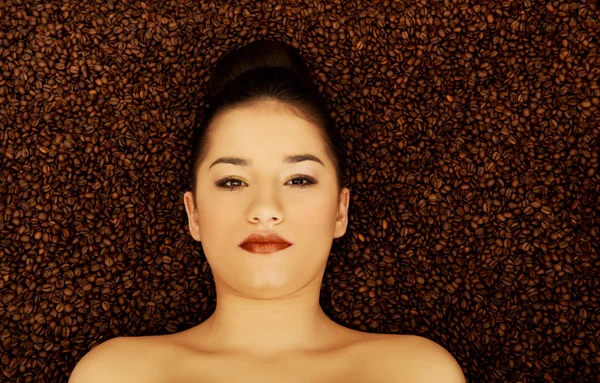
(264, 248)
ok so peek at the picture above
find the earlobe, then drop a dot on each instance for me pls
(342, 213)
(345, 201)
(192, 215)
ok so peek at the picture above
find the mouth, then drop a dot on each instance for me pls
(265, 248)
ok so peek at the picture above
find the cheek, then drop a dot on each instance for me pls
(214, 218)
(319, 212)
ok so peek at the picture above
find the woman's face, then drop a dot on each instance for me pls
(268, 194)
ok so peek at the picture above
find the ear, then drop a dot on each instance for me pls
(341, 222)
(188, 200)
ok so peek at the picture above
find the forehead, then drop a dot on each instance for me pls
(262, 127)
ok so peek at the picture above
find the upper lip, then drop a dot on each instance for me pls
(264, 237)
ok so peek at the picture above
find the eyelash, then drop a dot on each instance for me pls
(221, 183)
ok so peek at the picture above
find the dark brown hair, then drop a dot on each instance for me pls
(260, 71)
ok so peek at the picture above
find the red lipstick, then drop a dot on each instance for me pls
(264, 248)
(264, 243)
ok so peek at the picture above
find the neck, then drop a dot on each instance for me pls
(269, 327)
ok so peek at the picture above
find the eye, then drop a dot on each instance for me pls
(223, 183)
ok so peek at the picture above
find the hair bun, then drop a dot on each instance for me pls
(257, 55)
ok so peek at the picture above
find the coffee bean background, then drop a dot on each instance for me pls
(472, 133)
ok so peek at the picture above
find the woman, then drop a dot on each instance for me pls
(267, 165)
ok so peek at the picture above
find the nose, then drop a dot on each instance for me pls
(266, 208)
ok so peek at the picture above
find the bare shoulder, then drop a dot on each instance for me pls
(120, 359)
(416, 359)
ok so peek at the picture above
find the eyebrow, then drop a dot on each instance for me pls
(286, 160)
